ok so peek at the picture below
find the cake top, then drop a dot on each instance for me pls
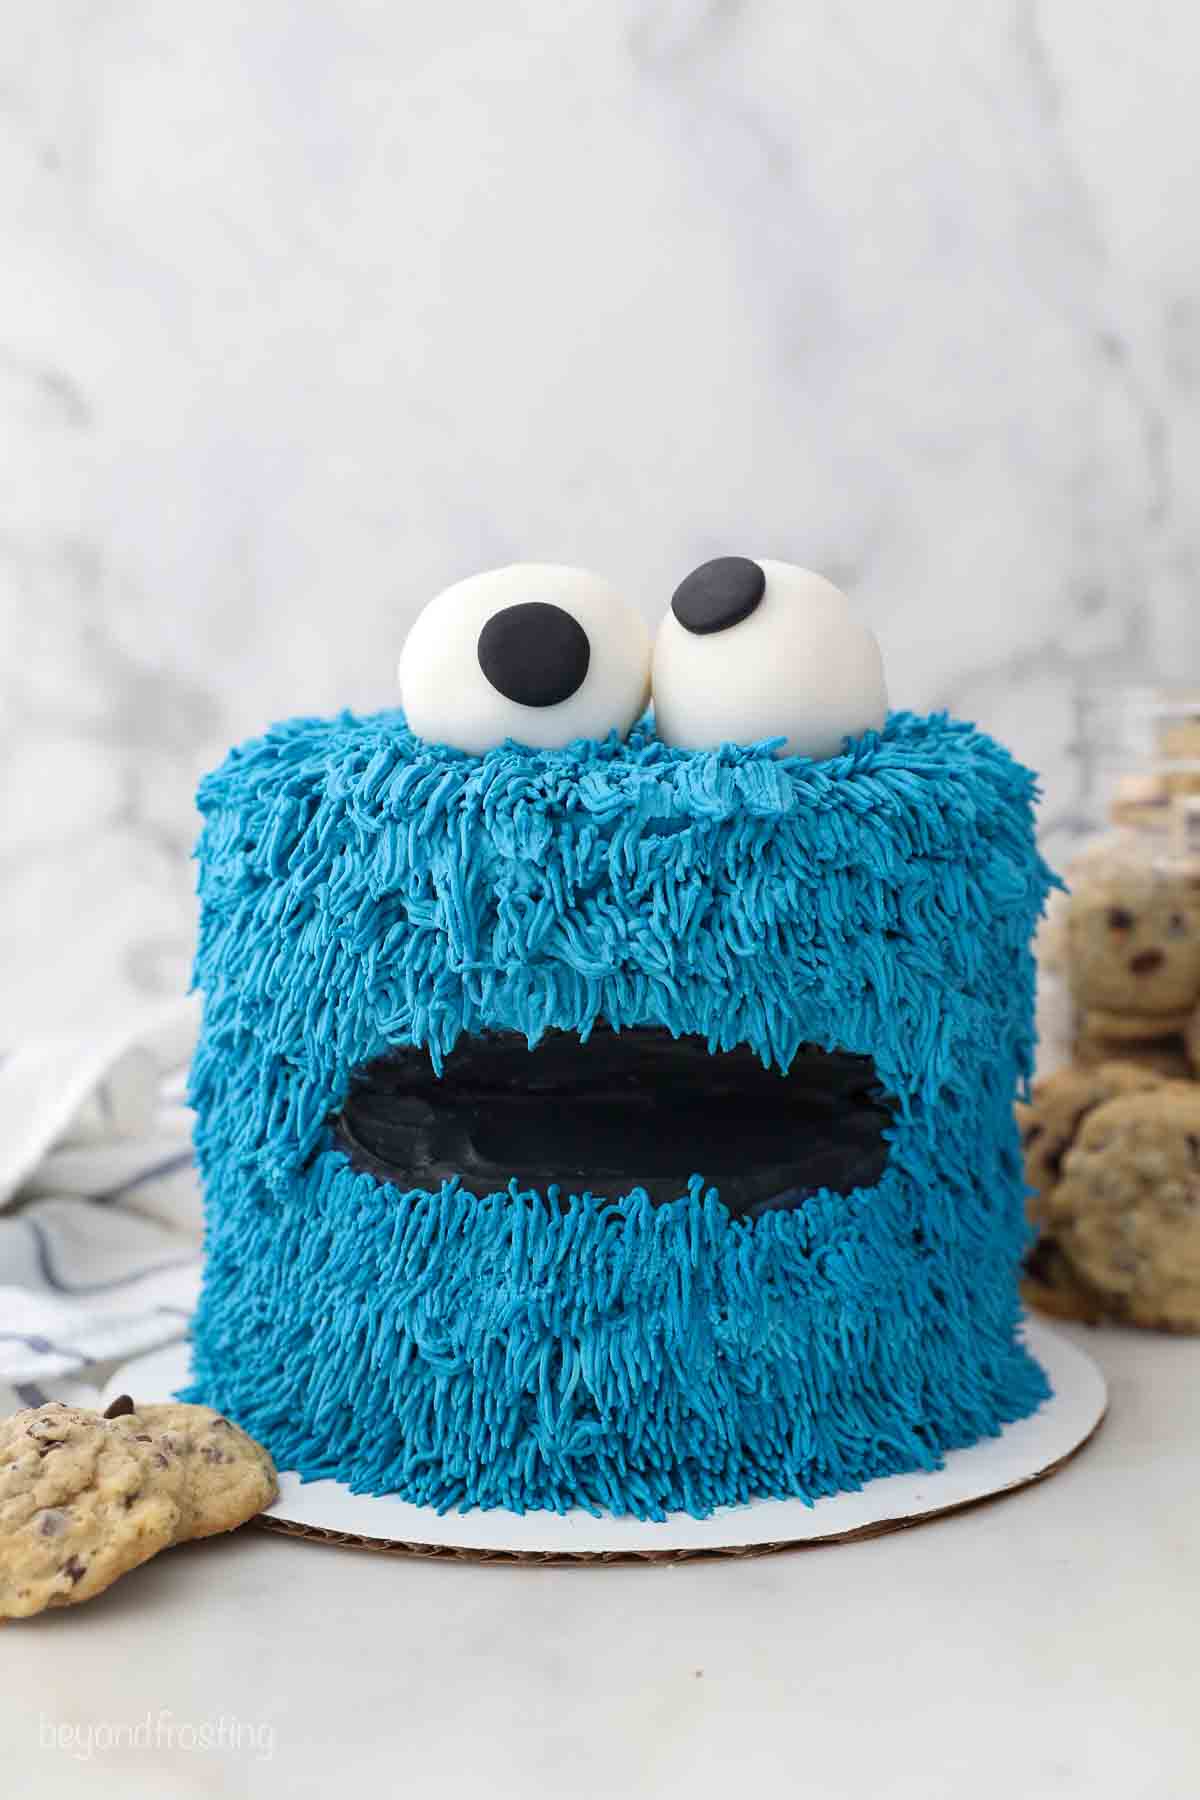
(373, 889)
(941, 773)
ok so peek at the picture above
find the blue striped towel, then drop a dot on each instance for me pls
(100, 1216)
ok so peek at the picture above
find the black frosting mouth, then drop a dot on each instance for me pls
(625, 1110)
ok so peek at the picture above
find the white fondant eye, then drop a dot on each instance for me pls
(752, 650)
(536, 652)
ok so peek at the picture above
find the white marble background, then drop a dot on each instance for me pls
(312, 306)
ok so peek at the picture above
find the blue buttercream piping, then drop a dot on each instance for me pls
(361, 889)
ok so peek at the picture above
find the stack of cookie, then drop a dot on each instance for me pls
(1112, 1142)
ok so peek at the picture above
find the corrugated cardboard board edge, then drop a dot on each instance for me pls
(315, 1534)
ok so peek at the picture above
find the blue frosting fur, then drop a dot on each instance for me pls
(362, 889)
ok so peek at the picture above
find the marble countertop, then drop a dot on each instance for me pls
(1040, 1646)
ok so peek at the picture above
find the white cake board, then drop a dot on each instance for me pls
(1028, 1451)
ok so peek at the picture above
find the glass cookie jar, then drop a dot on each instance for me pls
(1120, 955)
(1111, 1132)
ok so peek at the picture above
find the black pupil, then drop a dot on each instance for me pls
(534, 654)
(718, 594)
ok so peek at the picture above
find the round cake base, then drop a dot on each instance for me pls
(1024, 1453)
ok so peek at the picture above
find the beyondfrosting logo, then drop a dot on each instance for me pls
(158, 1731)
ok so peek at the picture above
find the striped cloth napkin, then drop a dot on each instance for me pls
(100, 1216)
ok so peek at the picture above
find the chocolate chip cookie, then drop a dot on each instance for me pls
(225, 1477)
(1133, 963)
(1049, 1126)
(1060, 1103)
(85, 1497)
(1126, 1214)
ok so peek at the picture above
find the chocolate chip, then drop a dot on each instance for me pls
(54, 1444)
(74, 1570)
(132, 1499)
(1120, 919)
(142, 1437)
(223, 1423)
(52, 1522)
(119, 1407)
(211, 1454)
(1042, 1261)
(159, 1460)
(1147, 962)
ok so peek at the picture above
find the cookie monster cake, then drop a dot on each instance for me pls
(609, 1110)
